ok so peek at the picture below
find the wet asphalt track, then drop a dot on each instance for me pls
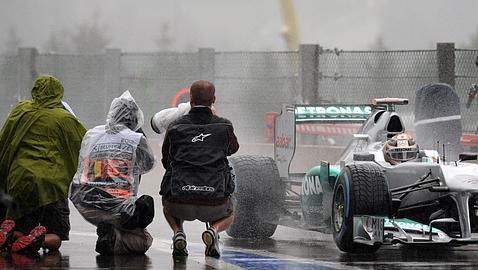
(287, 249)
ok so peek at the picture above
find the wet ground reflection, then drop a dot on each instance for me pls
(387, 257)
(123, 261)
(37, 260)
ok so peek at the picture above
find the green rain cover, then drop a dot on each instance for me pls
(40, 143)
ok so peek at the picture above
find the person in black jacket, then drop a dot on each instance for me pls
(198, 183)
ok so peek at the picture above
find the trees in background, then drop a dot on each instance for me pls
(164, 41)
(12, 41)
(473, 43)
(87, 37)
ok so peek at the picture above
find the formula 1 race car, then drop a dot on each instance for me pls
(363, 200)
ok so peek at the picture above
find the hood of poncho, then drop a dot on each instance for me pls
(124, 112)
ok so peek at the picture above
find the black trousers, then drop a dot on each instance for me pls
(142, 216)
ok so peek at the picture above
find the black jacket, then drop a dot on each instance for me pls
(195, 151)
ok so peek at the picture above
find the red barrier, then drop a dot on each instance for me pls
(181, 96)
(269, 124)
(469, 139)
(328, 129)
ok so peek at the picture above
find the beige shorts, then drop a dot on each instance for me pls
(204, 213)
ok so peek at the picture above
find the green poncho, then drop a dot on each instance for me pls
(40, 143)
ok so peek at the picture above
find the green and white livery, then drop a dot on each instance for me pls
(362, 200)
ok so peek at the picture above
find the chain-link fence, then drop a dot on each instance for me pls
(154, 78)
(83, 79)
(466, 73)
(248, 84)
(251, 84)
(8, 84)
(360, 76)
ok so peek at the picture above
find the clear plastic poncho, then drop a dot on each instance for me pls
(112, 158)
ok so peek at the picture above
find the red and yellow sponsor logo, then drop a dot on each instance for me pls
(108, 168)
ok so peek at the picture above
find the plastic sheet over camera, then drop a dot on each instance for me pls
(161, 120)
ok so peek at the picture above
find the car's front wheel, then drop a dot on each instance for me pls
(361, 189)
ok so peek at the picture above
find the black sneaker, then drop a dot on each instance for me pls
(211, 238)
(106, 238)
(179, 244)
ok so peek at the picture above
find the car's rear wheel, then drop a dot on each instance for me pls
(361, 189)
(258, 197)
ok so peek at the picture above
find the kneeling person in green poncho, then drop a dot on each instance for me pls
(40, 144)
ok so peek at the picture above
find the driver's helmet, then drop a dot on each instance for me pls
(400, 148)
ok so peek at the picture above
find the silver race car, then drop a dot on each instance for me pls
(383, 190)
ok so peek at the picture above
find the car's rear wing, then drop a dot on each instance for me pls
(299, 114)
(389, 103)
(312, 116)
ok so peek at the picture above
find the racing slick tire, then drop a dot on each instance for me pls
(258, 198)
(360, 189)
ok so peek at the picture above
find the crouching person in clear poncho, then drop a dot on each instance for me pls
(105, 186)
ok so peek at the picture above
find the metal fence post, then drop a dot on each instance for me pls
(112, 76)
(206, 64)
(446, 63)
(309, 72)
(26, 72)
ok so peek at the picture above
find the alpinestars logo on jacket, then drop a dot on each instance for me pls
(200, 137)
